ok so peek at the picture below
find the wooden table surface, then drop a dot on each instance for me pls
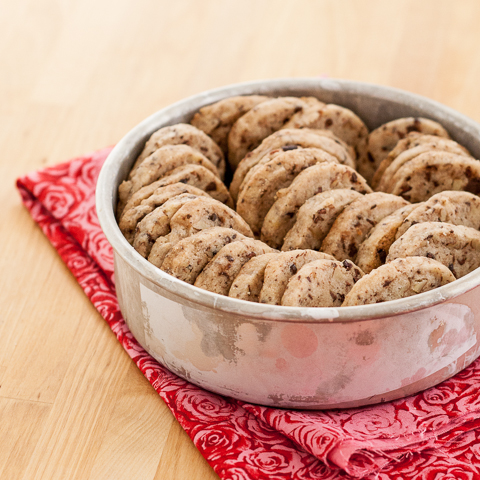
(75, 76)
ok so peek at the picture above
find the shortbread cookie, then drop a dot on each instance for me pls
(383, 139)
(199, 214)
(386, 184)
(190, 177)
(434, 172)
(216, 120)
(131, 217)
(316, 179)
(194, 175)
(157, 223)
(355, 222)
(189, 256)
(408, 148)
(341, 121)
(160, 163)
(373, 250)
(248, 284)
(322, 283)
(456, 246)
(281, 269)
(400, 278)
(220, 272)
(258, 123)
(183, 134)
(457, 208)
(258, 193)
(288, 139)
(315, 218)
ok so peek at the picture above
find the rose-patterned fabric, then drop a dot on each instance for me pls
(429, 436)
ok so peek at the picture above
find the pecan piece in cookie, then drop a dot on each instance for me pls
(456, 246)
(322, 283)
(400, 278)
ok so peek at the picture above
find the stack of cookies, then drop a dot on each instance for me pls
(319, 212)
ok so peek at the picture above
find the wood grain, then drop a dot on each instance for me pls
(76, 76)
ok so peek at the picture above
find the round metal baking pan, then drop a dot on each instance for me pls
(294, 357)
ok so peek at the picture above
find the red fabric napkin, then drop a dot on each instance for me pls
(432, 435)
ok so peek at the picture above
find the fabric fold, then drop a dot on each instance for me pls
(422, 436)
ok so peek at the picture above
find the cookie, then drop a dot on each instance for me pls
(288, 139)
(322, 283)
(455, 246)
(457, 208)
(341, 121)
(258, 123)
(315, 218)
(199, 214)
(407, 148)
(374, 249)
(248, 284)
(355, 222)
(183, 134)
(158, 165)
(194, 175)
(316, 179)
(258, 193)
(189, 256)
(281, 269)
(385, 183)
(157, 223)
(400, 278)
(384, 138)
(220, 272)
(130, 217)
(434, 172)
(216, 120)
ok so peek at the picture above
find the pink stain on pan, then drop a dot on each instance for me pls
(300, 341)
